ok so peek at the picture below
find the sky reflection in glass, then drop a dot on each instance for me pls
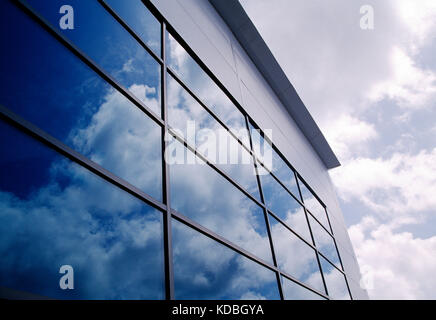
(203, 86)
(106, 42)
(293, 291)
(281, 203)
(76, 106)
(54, 212)
(313, 205)
(295, 257)
(205, 269)
(203, 195)
(324, 242)
(210, 138)
(335, 281)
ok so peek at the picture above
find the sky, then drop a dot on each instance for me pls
(373, 94)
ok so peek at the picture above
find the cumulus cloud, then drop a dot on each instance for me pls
(396, 265)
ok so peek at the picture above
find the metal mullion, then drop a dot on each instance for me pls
(209, 110)
(291, 278)
(214, 166)
(325, 229)
(209, 233)
(265, 212)
(327, 259)
(290, 229)
(129, 30)
(89, 62)
(76, 157)
(169, 272)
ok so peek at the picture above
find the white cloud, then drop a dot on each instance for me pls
(402, 184)
(410, 86)
(398, 265)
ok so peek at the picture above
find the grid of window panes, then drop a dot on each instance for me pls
(86, 117)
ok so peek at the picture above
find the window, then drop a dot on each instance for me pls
(203, 195)
(55, 212)
(111, 47)
(82, 110)
(83, 173)
(205, 269)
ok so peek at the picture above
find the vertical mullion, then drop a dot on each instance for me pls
(169, 275)
(265, 212)
(297, 180)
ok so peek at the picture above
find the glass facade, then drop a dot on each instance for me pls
(88, 119)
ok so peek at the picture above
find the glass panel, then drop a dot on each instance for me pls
(206, 89)
(272, 160)
(73, 104)
(141, 20)
(280, 202)
(106, 42)
(203, 195)
(335, 281)
(202, 131)
(54, 212)
(205, 269)
(313, 205)
(295, 257)
(293, 291)
(324, 242)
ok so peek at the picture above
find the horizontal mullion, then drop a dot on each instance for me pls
(198, 227)
(334, 265)
(209, 110)
(90, 63)
(215, 167)
(313, 216)
(290, 229)
(288, 276)
(76, 157)
(126, 26)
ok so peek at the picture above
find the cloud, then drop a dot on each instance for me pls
(397, 265)
(401, 184)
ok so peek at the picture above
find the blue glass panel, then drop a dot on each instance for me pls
(202, 131)
(205, 269)
(324, 242)
(273, 162)
(141, 20)
(295, 257)
(106, 42)
(203, 195)
(293, 291)
(335, 281)
(313, 205)
(205, 88)
(280, 202)
(73, 104)
(54, 212)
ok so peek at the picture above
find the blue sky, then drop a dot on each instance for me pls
(373, 94)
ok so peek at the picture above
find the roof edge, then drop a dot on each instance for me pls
(250, 39)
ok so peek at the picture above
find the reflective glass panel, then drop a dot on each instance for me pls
(74, 105)
(205, 269)
(203, 195)
(190, 120)
(54, 213)
(141, 20)
(107, 43)
(273, 162)
(295, 257)
(313, 205)
(324, 242)
(280, 202)
(335, 281)
(293, 291)
(205, 88)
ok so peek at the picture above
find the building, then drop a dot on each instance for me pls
(92, 96)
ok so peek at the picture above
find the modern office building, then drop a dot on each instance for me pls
(115, 181)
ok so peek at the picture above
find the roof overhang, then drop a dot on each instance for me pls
(250, 39)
